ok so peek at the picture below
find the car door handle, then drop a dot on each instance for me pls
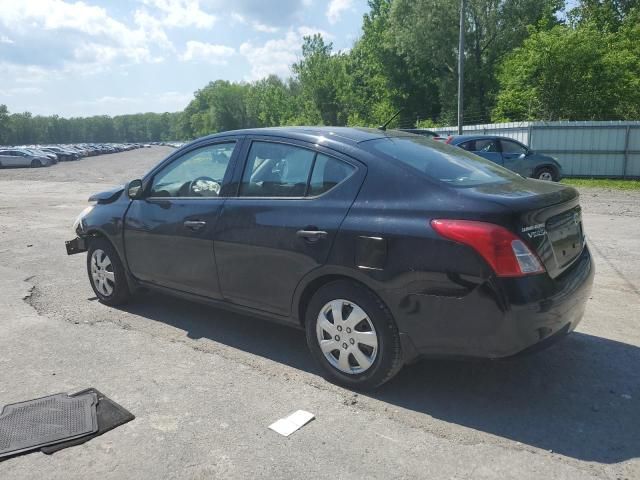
(311, 234)
(195, 224)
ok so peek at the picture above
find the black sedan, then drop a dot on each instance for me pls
(383, 245)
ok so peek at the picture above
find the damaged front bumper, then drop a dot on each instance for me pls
(77, 245)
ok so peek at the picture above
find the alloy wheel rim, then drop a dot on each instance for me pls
(102, 274)
(346, 336)
(545, 176)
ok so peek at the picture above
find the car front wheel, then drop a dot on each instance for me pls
(353, 336)
(547, 174)
(106, 273)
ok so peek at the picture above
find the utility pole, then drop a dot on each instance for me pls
(461, 68)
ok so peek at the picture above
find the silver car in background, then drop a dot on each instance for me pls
(13, 157)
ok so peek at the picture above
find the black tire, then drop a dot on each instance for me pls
(388, 360)
(543, 173)
(120, 292)
(36, 163)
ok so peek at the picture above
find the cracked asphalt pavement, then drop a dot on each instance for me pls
(204, 384)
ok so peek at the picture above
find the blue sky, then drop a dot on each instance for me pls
(76, 58)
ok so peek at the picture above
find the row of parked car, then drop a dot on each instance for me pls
(504, 151)
(47, 155)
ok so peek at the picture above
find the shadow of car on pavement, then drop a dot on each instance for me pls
(578, 398)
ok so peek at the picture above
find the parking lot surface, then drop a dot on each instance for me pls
(204, 384)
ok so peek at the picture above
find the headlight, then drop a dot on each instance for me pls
(83, 214)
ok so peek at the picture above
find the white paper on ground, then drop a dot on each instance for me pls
(287, 425)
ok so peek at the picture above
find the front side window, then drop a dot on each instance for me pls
(486, 145)
(512, 147)
(198, 173)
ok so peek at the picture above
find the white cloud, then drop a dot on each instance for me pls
(170, 101)
(277, 55)
(26, 74)
(271, 13)
(181, 13)
(81, 34)
(10, 92)
(261, 27)
(336, 8)
(257, 26)
(6, 40)
(216, 54)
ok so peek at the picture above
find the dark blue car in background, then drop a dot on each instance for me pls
(510, 154)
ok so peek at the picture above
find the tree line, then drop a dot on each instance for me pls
(524, 60)
(26, 129)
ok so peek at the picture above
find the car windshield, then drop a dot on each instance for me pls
(447, 164)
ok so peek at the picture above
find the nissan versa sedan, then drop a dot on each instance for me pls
(383, 246)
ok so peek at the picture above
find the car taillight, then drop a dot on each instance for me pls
(449, 138)
(507, 255)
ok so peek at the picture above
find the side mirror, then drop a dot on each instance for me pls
(134, 189)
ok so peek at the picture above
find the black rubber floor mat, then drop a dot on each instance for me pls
(110, 415)
(35, 423)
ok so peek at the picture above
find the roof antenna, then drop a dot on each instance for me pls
(386, 124)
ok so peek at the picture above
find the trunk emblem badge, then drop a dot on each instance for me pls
(534, 231)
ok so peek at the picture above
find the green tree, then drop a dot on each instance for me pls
(270, 102)
(426, 34)
(570, 73)
(604, 15)
(376, 71)
(322, 77)
(5, 129)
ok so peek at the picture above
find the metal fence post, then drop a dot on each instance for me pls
(626, 152)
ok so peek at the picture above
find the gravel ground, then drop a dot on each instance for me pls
(204, 384)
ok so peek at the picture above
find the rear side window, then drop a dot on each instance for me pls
(327, 173)
(469, 146)
(451, 165)
(277, 170)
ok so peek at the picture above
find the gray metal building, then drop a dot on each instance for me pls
(584, 149)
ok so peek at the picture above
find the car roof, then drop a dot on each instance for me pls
(348, 135)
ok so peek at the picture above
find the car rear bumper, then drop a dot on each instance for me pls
(500, 317)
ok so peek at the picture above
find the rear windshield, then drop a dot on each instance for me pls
(451, 165)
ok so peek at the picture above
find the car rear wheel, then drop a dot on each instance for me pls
(106, 273)
(36, 163)
(546, 173)
(353, 336)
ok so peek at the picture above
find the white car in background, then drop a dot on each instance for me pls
(13, 157)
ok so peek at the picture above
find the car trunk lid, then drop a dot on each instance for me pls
(546, 215)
